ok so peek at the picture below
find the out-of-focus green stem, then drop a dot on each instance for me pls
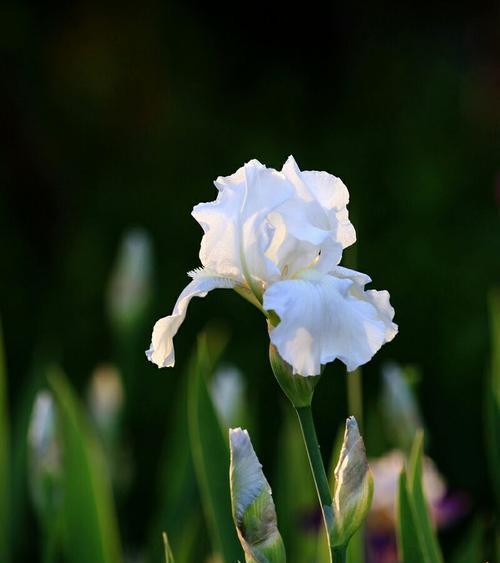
(318, 469)
(355, 397)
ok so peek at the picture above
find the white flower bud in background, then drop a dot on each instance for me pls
(130, 286)
(227, 389)
(252, 502)
(105, 400)
(353, 486)
(44, 456)
(399, 406)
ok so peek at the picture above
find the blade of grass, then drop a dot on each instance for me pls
(211, 458)
(169, 558)
(90, 527)
(418, 503)
(179, 500)
(409, 548)
(470, 549)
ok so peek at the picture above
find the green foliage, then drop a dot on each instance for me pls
(90, 528)
(211, 457)
(4, 459)
(416, 537)
(470, 549)
(178, 499)
(169, 558)
(409, 547)
(296, 506)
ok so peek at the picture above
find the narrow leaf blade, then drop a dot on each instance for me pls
(169, 558)
(90, 528)
(420, 510)
(409, 548)
(211, 459)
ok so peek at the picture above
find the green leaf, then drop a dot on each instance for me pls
(211, 458)
(4, 459)
(470, 548)
(426, 534)
(179, 503)
(409, 547)
(169, 558)
(90, 527)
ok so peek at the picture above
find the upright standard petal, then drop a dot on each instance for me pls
(324, 317)
(161, 351)
(236, 225)
(322, 218)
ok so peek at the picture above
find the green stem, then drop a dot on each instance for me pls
(355, 397)
(317, 468)
(340, 554)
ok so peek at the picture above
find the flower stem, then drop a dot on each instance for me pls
(340, 554)
(355, 396)
(318, 469)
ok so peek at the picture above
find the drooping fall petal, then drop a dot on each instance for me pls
(324, 317)
(161, 351)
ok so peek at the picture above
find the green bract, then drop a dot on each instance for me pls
(297, 388)
(253, 507)
(353, 491)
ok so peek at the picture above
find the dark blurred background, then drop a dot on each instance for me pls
(116, 115)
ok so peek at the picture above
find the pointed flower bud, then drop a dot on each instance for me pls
(399, 407)
(130, 285)
(44, 456)
(353, 486)
(297, 388)
(253, 507)
(227, 390)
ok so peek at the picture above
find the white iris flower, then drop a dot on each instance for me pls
(277, 238)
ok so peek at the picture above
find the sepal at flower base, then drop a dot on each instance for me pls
(353, 491)
(298, 388)
(252, 503)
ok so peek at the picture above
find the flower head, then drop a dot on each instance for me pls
(277, 238)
